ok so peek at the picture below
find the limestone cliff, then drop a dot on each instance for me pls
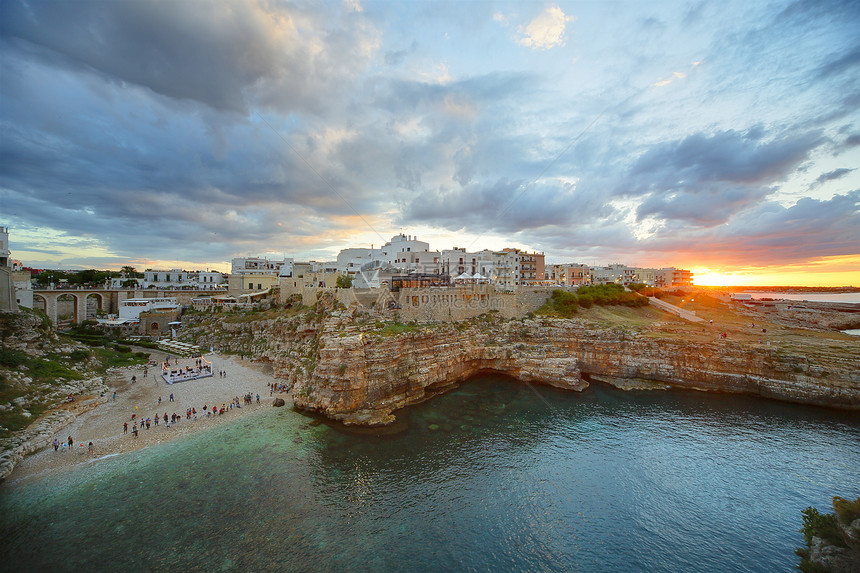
(359, 371)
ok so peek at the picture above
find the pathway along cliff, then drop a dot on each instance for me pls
(355, 366)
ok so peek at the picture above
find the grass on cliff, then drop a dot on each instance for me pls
(269, 314)
(566, 304)
(47, 370)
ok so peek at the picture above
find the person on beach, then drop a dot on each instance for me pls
(125, 427)
(114, 395)
(133, 379)
(71, 442)
(171, 397)
(56, 444)
(91, 449)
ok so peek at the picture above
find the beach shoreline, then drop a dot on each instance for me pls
(136, 401)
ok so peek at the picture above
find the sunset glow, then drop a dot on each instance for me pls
(720, 138)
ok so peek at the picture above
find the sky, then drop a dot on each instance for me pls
(722, 137)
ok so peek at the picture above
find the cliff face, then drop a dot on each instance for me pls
(360, 373)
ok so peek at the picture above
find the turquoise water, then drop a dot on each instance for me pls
(496, 476)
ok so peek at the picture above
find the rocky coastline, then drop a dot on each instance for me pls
(349, 366)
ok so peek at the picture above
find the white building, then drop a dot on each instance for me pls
(615, 273)
(23, 281)
(130, 309)
(405, 253)
(256, 265)
(172, 279)
(211, 280)
(458, 261)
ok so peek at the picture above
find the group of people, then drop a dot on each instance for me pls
(276, 388)
(190, 414)
(71, 445)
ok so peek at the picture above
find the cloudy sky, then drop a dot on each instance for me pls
(718, 136)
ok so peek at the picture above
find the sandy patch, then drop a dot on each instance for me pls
(103, 425)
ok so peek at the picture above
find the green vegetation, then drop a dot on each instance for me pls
(344, 281)
(846, 510)
(565, 304)
(612, 294)
(395, 328)
(42, 368)
(562, 304)
(12, 358)
(823, 525)
(826, 527)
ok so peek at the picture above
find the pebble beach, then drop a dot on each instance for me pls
(139, 400)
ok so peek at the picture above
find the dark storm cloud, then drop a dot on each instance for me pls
(772, 234)
(224, 55)
(502, 206)
(768, 234)
(704, 179)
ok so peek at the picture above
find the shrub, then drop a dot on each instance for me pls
(564, 302)
(817, 524)
(343, 281)
(48, 370)
(78, 355)
(586, 301)
(846, 510)
(12, 358)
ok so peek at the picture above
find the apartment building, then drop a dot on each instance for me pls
(529, 268)
(568, 274)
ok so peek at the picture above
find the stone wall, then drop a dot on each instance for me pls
(452, 304)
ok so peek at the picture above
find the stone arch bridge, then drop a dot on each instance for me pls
(77, 305)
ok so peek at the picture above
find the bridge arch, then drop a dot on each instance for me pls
(40, 302)
(94, 304)
(67, 309)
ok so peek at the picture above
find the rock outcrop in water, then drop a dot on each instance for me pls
(359, 371)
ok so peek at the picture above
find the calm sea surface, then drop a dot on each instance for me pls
(853, 297)
(496, 476)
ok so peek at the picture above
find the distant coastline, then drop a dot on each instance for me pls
(785, 289)
(844, 297)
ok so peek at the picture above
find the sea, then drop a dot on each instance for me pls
(497, 475)
(848, 297)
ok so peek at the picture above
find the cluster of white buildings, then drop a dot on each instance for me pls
(174, 279)
(404, 259)
(406, 256)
